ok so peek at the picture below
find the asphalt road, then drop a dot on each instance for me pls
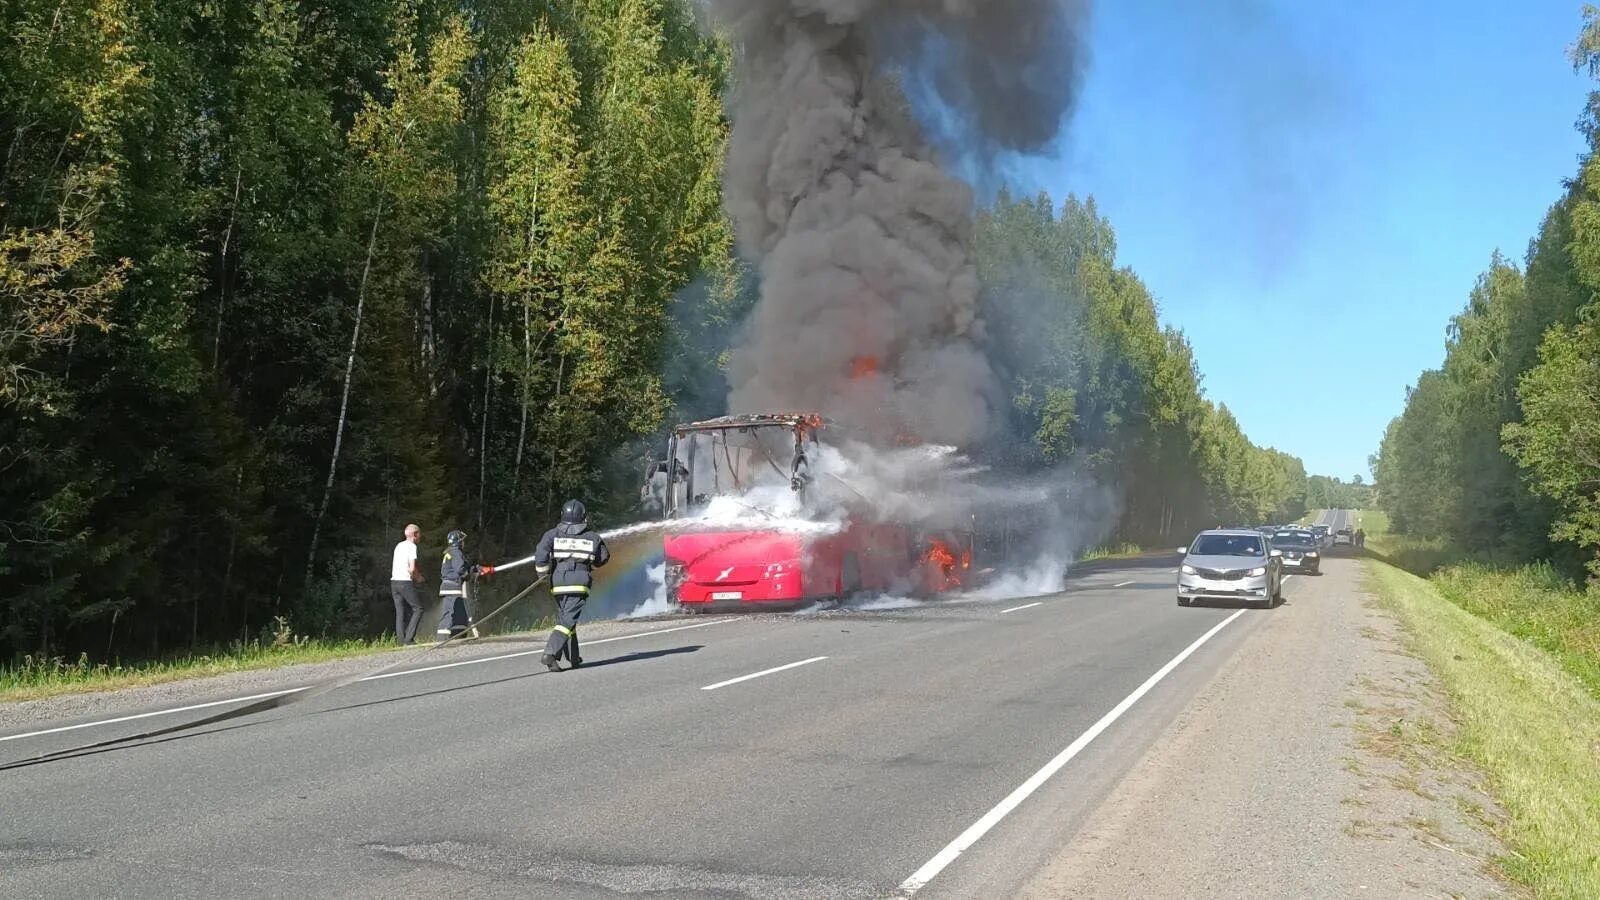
(890, 739)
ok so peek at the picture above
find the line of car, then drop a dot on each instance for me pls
(1249, 564)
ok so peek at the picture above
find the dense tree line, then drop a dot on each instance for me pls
(1498, 450)
(277, 278)
(1323, 492)
(1095, 378)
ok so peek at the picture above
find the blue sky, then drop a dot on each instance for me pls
(1332, 175)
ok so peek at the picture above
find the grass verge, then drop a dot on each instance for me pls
(1526, 721)
(1119, 551)
(33, 678)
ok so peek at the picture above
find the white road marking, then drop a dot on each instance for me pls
(723, 684)
(162, 712)
(1124, 584)
(269, 694)
(1023, 606)
(978, 829)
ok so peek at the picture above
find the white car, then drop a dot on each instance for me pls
(1231, 564)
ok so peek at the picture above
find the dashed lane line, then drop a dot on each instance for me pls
(270, 694)
(793, 665)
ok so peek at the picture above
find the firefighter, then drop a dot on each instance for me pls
(569, 553)
(455, 615)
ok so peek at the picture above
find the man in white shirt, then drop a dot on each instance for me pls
(404, 576)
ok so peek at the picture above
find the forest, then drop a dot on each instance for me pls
(277, 278)
(1497, 451)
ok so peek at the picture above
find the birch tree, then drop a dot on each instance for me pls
(406, 179)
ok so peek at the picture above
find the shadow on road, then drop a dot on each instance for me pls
(641, 655)
(612, 661)
(200, 730)
(1236, 604)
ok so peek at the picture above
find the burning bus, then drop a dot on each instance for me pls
(762, 517)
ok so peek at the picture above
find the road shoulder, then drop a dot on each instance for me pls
(48, 711)
(1311, 765)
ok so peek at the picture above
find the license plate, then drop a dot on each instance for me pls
(1291, 562)
(728, 595)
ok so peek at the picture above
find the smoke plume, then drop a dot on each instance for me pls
(869, 308)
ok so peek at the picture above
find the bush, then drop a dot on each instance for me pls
(1537, 604)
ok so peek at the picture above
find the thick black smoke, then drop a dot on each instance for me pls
(869, 306)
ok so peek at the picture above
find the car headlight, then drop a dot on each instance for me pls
(1312, 554)
(1255, 572)
(1187, 569)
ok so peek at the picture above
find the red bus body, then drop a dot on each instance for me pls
(713, 565)
(754, 567)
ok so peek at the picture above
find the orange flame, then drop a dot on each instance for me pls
(862, 366)
(944, 562)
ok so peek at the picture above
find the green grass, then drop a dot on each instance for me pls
(1118, 551)
(1536, 604)
(31, 678)
(1417, 555)
(1533, 602)
(1373, 521)
(1524, 718)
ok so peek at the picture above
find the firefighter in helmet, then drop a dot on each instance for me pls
(455, 573)
(569, 553)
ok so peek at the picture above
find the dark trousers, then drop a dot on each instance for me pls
(405, 601)
(564, 637)
(455, 616)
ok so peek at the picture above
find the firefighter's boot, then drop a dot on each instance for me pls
(563, 636)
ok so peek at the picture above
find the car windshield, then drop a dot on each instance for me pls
(1293, 538)
(1227, 545)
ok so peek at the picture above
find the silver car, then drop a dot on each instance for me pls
(1231, 564)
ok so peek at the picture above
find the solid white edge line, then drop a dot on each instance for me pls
(159, 712)
(723, 684)
(269, 694)
(978, 829)
(1124, 584)
(1024, 606)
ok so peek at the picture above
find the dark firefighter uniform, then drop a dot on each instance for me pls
(569, 553)
(454, 574)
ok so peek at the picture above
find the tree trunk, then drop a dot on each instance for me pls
(222, 291)
(428, 346)
(33, 91)
(527, 365)
(483, 435)
(344, 400)
(233, 544)
(550, 477)
(527, 339)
